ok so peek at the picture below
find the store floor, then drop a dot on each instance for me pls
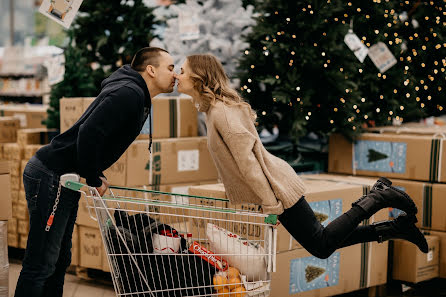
(74, 287)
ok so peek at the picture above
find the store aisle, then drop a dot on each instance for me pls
(74, 287)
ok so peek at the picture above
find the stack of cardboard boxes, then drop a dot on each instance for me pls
(348, 269)
(5, 217)
(179, 160)
(414, 158)
(17, 153)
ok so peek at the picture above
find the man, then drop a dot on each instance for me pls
(91, 145)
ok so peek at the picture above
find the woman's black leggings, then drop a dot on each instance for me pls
(320, 241)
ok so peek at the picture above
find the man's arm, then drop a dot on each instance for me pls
(117, 109)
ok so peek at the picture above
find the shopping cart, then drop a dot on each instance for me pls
(166, 244)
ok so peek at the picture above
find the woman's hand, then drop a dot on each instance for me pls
(103, 188)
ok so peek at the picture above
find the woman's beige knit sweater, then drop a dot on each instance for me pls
(249, 172)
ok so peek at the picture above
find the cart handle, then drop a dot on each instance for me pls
(76, 186)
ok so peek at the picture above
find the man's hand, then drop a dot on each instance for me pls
(103, 188)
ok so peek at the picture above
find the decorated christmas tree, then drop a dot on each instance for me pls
(77, 82)
(213, 26)
(309, 67)
(104, 36)
(424, 51)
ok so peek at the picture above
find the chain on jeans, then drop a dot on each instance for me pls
(53, 213)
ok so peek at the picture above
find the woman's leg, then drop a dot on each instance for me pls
(320, 241)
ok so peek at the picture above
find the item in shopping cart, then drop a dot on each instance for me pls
(223, 292)
(208, 256)
(234, 282)
(165, 244)
(247, 256)
(238, 292)
(219, 280)
(233, 272)
(134, 223)
(167, 275)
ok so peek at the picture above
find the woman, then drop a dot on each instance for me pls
(252, 175)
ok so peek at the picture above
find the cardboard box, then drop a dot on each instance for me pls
(13, 240)
(414, 157)
(35, 136)
(172, 117)
(411, 265)
(22, 198)
(30, 116)
(174, 160)
(30, 150)
(23, 227)
(12, 151)
(12, 225)
(75, 246)
(117, 173)
(21, 211)
(105, 265)
(428, 197)
(14, 196)
(442, 238)
(348, 269)
(23, 240)
(14, 166)
(5, 194)
(8, 129)
(71, 109)
(90, 247)
(15, 183)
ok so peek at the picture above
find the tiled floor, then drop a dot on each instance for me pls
(74, 287)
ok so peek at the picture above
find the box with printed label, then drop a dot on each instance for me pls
(71, 109)
(29, 116)
(442, 239)
(173, 160)
(302, 274)
(411, 265)
(90, 247)
(172, 117)
(402, 156)
(8, 129)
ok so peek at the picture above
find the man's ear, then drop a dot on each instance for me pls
(150, 70)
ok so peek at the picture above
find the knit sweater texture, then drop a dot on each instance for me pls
(249, 172)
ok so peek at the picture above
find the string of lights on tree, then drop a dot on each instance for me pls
(297, 58)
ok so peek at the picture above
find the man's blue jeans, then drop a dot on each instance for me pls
(48, 254)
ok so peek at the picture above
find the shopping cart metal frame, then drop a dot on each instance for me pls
(104, 206)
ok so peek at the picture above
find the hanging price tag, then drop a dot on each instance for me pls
(356, 46)
(60, 11)
(381, 56)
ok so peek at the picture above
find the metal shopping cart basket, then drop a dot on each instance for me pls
(166, 244)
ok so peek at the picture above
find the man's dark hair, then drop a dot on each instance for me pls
(146, 56)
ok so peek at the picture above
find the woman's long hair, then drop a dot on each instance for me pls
(212, 83)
